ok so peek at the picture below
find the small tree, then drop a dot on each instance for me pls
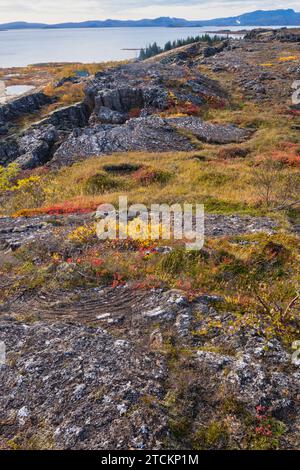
(168, 46)
(276, 187)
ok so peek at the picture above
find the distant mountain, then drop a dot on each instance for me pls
(22, 25)
(257, 18)
(158, 22)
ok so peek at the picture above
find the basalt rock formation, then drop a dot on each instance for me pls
(36, 145)
(119, 114)
(150, 134)
(21, 106)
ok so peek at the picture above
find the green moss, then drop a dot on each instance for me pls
(214, 436)
(180, 427)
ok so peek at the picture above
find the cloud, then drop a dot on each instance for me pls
(77, 10)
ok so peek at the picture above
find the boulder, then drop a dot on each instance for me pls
(108, 116)
(120, 99)
(36, 146)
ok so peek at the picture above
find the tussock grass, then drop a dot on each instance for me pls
(223, 185)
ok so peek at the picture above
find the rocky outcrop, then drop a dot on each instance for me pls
(125, 99)
(268, 35)
(89, 372)
(18, 231)
(25, 105)
(187, 54)
(9, 151)
(69, 117)
(112, 97)
(84, 383)
(211, 133)
(36, 145)
(120, 99)
(151, 134)
(33, 148)
(147, 87)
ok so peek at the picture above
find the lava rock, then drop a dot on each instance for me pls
(151, 134)
(108, 116)
(25, 105)
(211, 133)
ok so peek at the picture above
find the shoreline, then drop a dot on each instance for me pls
(2, 92)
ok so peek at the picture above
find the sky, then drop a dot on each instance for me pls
(57, 11)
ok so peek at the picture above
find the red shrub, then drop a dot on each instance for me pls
(145, 175)
(286, 159)
(58, 209)
(134, 113)
(148, 175)
(233, 152)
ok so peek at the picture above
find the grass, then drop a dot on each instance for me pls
(224, 185)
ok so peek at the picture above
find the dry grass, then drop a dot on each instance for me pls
(223, 185)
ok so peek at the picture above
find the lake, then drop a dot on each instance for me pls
(23, 47)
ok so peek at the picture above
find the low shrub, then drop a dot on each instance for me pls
(147, 175)
(275, 186)
(233, 152)
(100, 183)
(58, 209)
(83, 234)
(8, 176)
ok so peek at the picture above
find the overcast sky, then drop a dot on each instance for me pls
(52, 11)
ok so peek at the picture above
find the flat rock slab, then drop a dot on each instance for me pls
(67, 385)
(211, 133)
(15, 232)
(125, 309)
(150, 134)
(73, 387)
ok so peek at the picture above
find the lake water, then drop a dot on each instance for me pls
(18, 89)
(24, 47)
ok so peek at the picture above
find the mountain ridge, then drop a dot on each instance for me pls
(279, 17)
